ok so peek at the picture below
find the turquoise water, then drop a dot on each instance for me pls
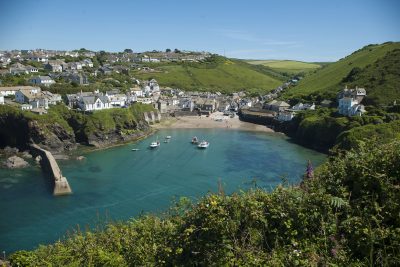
(118, 183)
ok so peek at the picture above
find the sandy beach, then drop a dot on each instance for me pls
(215, 120)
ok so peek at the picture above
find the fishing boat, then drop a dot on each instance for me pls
(168, 137)
(203, 144)
(154, 144)
(135, 149)
(195, 140)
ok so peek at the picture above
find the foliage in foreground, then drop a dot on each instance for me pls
(347, 215)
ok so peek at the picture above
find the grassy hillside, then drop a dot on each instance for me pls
(287, 66)
(327, 81)
(382, 79)
(216, 74)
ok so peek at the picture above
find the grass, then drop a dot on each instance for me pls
(218, 74)
(287, 66)
(327, 80)
(382, 79)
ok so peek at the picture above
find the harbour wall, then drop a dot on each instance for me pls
(152, 117)
(50, 167)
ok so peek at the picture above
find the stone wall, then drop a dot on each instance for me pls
(152, 117)
(50, 167)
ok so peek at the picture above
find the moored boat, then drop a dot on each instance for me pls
(154, 144)
(203, 144)
(168, 137)
(195, 140)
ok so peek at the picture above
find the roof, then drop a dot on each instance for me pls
(42, 78)
(16, 88)
(104, 99)
(281, 104)
(88, 99)
(28, 94)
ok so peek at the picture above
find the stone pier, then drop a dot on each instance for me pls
(50, 166)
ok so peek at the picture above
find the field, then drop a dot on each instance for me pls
(287, 66)
(220, 74)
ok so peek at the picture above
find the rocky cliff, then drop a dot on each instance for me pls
(61, 129)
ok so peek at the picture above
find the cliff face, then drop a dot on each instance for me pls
(18, 130)
(61, 129)
(107, 138)
(54, 137)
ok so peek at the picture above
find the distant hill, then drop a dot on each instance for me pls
(287, 66)
(216, 74)
(327, 81)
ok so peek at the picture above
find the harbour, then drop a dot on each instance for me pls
(118, 183)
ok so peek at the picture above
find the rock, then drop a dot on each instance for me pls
(38, 158)
(80, 158)
(16, 162)
(26, 155)
(10, 150)
(60, 156)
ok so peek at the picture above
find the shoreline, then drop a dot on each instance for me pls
(84, 149)
(215, 121)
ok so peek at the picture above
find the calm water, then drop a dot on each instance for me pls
(119, 183)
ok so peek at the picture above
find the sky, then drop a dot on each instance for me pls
(306, 30)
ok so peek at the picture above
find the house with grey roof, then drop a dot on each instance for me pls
(54, 65)
(350, 101)
(11, 90)
(77, 78)
(42, 80)
(277, 106)
(94, 102)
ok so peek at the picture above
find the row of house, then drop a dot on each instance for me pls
(30, 97)
(60, 65)
(91, 101)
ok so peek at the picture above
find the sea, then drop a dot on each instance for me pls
(118, 184)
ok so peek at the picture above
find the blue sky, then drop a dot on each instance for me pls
(307, 30)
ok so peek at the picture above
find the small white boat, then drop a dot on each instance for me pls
(135, 149)
(168, 137)
(203, 144)
(154, 144)
(166, 141)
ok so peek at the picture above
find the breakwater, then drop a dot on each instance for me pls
(50, 166)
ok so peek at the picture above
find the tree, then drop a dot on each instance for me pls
(128, 50)
(167, 50)
(176, 50)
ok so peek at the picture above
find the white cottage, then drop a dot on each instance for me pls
(90, 103)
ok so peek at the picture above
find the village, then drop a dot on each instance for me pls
(51, 68)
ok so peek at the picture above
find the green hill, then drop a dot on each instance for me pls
(328, 80)
(287, 66)
(215, 74)
(382, 79)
